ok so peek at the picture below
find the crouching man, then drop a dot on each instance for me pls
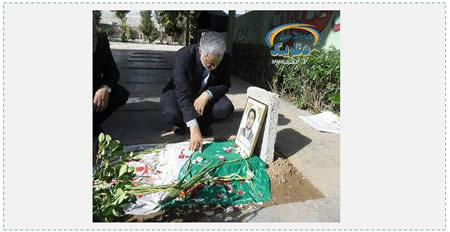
(195, 96)
(108, 96)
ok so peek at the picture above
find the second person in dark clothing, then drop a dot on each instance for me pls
(108, 96)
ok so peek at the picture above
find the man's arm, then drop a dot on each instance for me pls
(183, 89)
(110, 74)
(183, 93)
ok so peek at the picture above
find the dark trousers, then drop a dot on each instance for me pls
(214, 111)
(117, 98)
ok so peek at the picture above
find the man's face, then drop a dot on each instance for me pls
(209, 62)
(250, 119)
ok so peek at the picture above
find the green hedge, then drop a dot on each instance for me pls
(312, 82)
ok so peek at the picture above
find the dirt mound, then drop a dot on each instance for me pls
(288, 185)
(281, 170)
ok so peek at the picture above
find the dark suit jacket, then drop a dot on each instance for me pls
(105, 71)
(186, 79)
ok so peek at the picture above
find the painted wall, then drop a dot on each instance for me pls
(251, 57)
(251, 28)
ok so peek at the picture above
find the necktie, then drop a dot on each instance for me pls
(205, 76)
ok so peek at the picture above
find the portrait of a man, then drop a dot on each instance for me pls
(246, 132)
(250, 126)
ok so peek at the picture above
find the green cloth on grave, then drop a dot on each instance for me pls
(242, 192)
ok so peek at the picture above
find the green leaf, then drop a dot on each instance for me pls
(115, 213)
(119, 192)
(108, 138)
(108, 211)
(123, 169)
(115, 145)
(121, 198)
(101, 137)
(138, 157)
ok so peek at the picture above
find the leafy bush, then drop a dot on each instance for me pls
(124, 36)
(312, 82)
(112, 180)
(154, 35)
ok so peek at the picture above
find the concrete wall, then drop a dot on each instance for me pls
(252, 60)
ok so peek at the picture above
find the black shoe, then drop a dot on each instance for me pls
(179, 129)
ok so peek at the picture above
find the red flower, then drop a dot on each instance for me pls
(337, 27)
(219, 196)
(228, 150)
(239, 192)
(181, 156)
(242, 182)
(182, 194)
(138, 196)
(142, 169)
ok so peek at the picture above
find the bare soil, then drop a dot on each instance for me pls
(288, 185)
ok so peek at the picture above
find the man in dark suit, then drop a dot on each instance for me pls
(108, 96)
(195, 96)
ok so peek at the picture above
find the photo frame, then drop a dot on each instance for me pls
(250, 126)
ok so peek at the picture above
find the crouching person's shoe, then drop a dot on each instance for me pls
(179, 129)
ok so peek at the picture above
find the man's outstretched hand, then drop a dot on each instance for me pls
(196, 139)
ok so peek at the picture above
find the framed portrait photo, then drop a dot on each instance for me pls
(250, 126)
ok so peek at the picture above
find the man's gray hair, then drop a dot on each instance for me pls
(212, 43)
